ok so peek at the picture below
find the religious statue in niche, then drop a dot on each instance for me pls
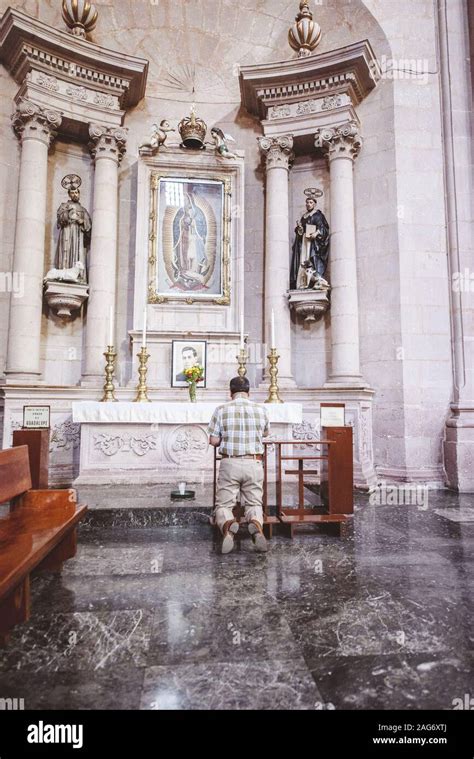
(74, 224)
(311, 247)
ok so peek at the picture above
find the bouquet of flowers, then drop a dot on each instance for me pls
(193, 375)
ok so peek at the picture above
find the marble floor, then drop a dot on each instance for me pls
(150, 616)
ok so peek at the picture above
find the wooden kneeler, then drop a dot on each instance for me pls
(336, 481)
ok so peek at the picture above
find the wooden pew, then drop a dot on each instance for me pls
(39, 533)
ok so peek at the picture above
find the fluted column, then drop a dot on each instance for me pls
(278, 152)
(342, 145)
(36, 128)
(107, 148)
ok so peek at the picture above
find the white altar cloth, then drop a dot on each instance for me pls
(86, 412)
(151, 443)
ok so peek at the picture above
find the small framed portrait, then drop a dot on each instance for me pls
(187, 354)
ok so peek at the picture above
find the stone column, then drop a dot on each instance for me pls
(278, 152)
(35, 127)
(342, 145)
(107, 148)
(454, 47)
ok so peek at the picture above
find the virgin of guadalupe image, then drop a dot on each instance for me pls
(189, 261)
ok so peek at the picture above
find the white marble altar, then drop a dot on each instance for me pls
(151, 443)
(65, 443)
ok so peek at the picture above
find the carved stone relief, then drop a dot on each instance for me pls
(110, 445)
(186, 444)
(65, 436)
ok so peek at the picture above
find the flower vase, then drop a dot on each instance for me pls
(192, 392)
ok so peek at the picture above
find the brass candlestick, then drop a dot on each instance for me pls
(274, 396)
(142, 389)
(242, 359)
(109, 388)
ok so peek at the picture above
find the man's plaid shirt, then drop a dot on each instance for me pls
(241, 426)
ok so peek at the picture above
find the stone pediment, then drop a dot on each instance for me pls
(352, 71)
(58, 70)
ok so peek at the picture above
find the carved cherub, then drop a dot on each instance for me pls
(158, 136)
(220, 142)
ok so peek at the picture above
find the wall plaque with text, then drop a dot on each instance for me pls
(333, 415)
(36, 417)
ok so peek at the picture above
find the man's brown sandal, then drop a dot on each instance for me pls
(259, 539)
(229, 529)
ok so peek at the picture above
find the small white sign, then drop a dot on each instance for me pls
(333, 416)
(36, 417)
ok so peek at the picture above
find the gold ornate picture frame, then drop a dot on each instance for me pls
(189, 238)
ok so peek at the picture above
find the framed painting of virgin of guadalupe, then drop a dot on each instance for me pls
(189, 237)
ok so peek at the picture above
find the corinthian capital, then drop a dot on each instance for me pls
(30, 122)
(106, 142)
(343, 141)
(278, 151)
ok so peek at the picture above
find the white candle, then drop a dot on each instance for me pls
(111, 325)
(144, 329)
(273, 331)
(242, 340)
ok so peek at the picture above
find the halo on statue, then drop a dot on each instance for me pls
(71, 182)
(314, 193)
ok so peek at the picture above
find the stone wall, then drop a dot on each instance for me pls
(402, 273)
(407, 353)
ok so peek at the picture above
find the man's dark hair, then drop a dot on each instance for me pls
(189, 348)
(239, 385)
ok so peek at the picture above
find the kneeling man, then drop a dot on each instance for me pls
(238, 429)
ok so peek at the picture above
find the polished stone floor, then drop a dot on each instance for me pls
(150, 616)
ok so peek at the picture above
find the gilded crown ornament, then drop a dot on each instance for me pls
(305, 34)
(80, 16)
(193, 131)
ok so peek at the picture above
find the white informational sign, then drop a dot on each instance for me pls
(333, 416)
(36, 417)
